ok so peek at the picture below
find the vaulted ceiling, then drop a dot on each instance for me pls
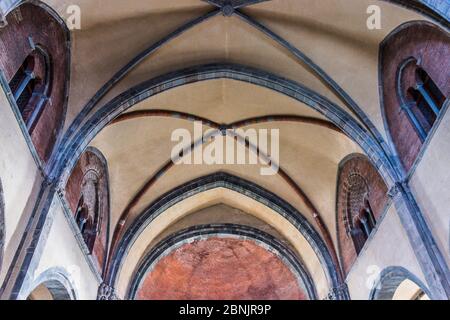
(333, 53)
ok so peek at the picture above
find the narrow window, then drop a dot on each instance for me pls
(30, 86)
(425, 102)
(360, 217)
(358, 237)
(367, 219)
(22, 84)
(430, 91)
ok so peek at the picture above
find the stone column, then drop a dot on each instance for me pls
(422, 242)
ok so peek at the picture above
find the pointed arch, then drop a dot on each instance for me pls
(88, 197)
(56, 281)
(96, 121)
(361, 199)
(404, 55)
(249, 189)
(202, 232)
(389, 281)
(35, 73)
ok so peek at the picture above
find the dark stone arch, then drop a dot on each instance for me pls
(426, 45)
(80, 151)
(88, 197)
(57, 281)
(337, 288)
(390, 279)
(438, 11)
(210, 230)
(34, 29)
(96, 121)
(2, 224)
(359, 189)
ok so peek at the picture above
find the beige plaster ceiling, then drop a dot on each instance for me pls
(332, 33)
(136, 149)
(210, 198)
(222, 214)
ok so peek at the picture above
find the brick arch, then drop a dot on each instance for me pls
(338, 290)
(358, 185)
(299, 277)
(87, 195)
(35, 32)
(413, 45)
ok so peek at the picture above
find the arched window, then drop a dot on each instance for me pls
(87, 195)
(31, 86)
(413, 85)
(360, 220)
(88, 215)
(361, 199)
(422, 99)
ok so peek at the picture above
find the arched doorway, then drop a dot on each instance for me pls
(409, 290)
(397, 283)
(50, 290)
(53, 284)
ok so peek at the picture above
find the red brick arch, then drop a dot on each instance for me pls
(358, 181)
(91, 166)
(32, 29)
(428, 47)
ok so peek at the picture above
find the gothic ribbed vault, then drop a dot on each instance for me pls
(140, 70)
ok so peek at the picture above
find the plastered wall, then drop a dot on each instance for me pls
(20, 178)
(61, 250)
(21, 181)
(430, 185)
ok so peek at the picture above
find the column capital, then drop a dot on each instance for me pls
(338, 293)
(106, 292)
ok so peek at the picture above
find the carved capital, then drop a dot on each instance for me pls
(338, 293)
(106, 292)
(396, 188)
